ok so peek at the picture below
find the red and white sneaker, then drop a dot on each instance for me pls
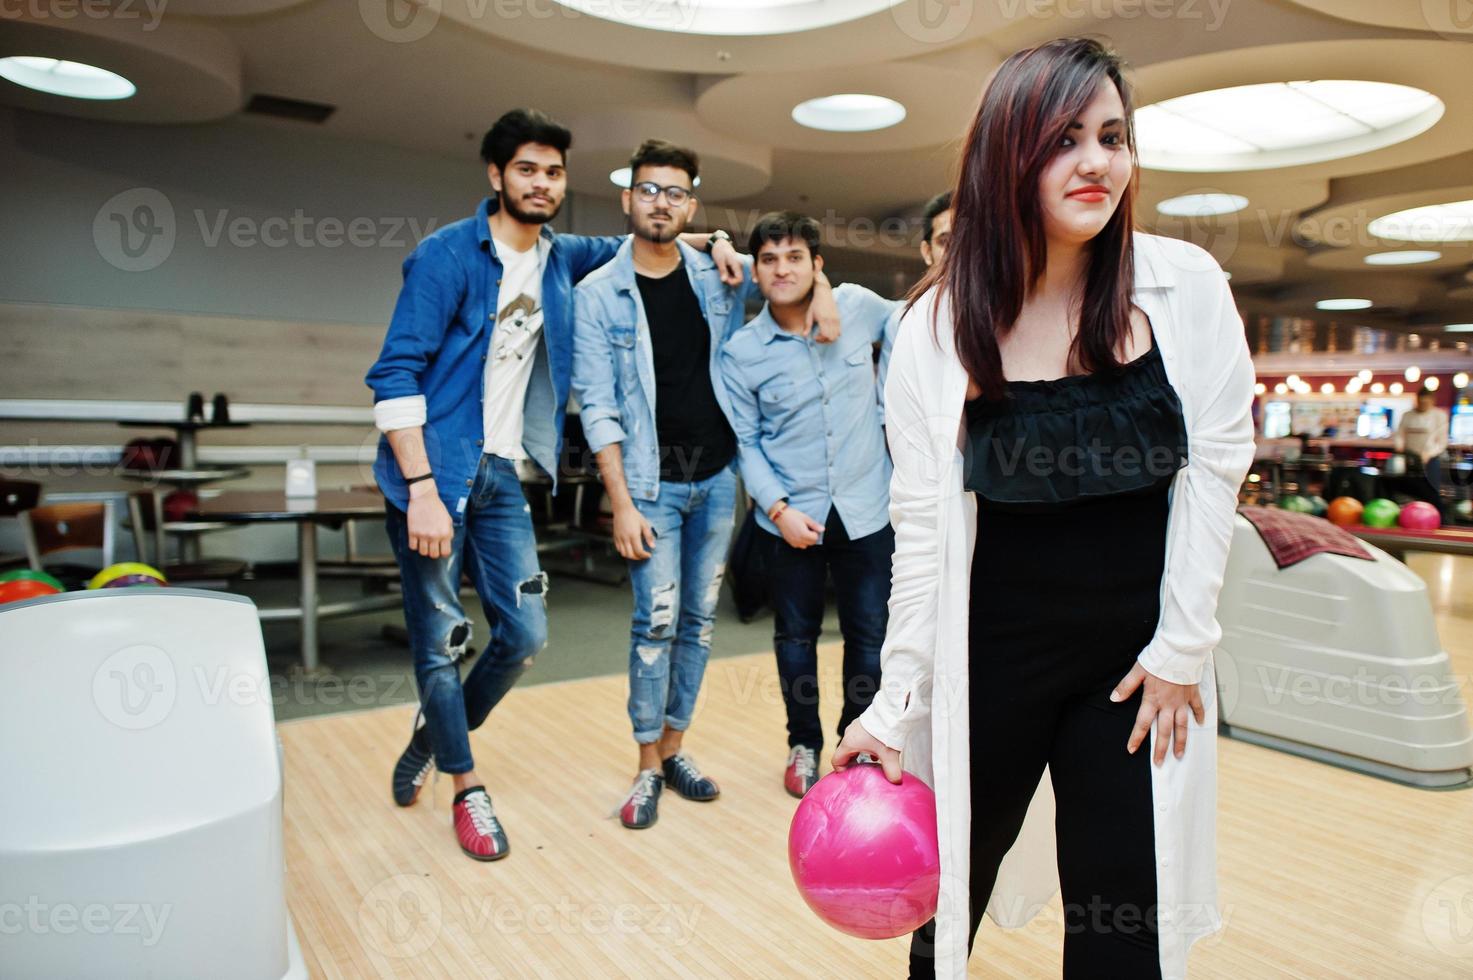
(802, 771)
(476, 826)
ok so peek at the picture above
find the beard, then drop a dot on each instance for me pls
(528, 217)
(659, 234)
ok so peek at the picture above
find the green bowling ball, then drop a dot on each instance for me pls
(31, 575)
(1297, 503)
(1320, 505)
(1380, 512)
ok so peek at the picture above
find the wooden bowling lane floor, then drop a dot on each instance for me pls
(1324, 872)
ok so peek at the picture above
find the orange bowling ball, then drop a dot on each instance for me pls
(1345, 511)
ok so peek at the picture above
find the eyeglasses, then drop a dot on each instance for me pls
(648, 191)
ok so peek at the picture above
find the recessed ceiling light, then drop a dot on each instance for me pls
(1409, 256)
(1202, 205)
(1278, 124)
(1458, 328)
(729, 17)
(620, 178)
(850, 112)
(69, 78)
(1345, 303)
(1433, 223)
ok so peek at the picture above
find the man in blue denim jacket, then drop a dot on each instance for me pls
(648, 328)
(813, 457)
(473, 376)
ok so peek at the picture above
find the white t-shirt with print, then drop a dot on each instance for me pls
(513, 348)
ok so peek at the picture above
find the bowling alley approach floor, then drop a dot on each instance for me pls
(1323, 872)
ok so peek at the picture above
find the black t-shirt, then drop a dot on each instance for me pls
(696, 442)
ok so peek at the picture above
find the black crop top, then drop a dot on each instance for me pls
(1052, 443)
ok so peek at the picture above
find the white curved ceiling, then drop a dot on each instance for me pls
(432, 74)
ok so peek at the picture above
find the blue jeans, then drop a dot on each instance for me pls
(795, 582)
(496, 547)
(675, 593)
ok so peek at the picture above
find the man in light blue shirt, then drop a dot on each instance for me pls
(812, 454)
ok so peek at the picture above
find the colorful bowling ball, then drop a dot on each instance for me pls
(1319, 505)
(124, 581)
(1345, 511)
(31, 574)
(125, 569)
(19, 589)
(1419, 515)
(1297, 503)
(179, 504)
(1380, 512)
(863, 852)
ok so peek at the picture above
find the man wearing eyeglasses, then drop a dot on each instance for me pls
(647, 330)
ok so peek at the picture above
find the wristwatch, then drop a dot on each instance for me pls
(719, 235)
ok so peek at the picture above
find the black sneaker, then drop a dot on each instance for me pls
(683, 776)
(413, 768)
(640, 808)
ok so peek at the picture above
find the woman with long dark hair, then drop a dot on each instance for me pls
(1068, 409)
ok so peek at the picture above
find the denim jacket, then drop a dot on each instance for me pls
(438, 340)
(614, 361)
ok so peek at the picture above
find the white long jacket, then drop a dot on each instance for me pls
(922, 706)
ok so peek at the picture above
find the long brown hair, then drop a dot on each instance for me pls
(998, 249)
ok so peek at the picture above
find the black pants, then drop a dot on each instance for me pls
(1062, 603)
(796, 578)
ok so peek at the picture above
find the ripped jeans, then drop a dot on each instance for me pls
(675, 593)
(495, 546)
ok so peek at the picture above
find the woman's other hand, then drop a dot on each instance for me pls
(1164, 703)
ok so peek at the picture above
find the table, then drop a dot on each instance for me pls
(1397, 541)
(330, 508)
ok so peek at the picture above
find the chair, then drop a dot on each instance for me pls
(17, 497)
(68, 527)
(146, 515)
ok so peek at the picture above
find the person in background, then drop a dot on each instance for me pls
(935, 237)
(649, 327)
(813, 457)
(1422, 434)
(472, 378)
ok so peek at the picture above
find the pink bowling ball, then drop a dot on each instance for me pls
(863, 852)
(1419, 515)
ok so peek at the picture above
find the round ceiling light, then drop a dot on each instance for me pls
(1344, 304)
(1408, 256)
(850, 112)
(1434, 223)
(1280, 124)
(730, 17)
(1202, 205)
(67, 78)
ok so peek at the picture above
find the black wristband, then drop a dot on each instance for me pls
(416, 479)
